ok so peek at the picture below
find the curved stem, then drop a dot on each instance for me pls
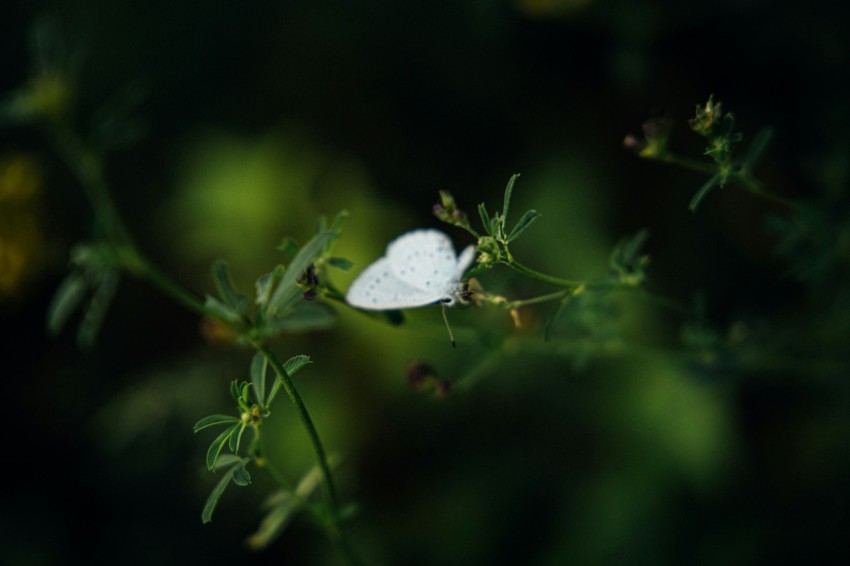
(537, 300)
(304, 415)
(742, 177)
(516, 266)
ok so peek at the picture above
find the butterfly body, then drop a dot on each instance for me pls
(419, 268)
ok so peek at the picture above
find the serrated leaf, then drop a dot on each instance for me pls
(65, 300)
(234, 390)
(287, 293)
(214, 420)
(217, 444)
(525, 221)
(236, 438)
(258, 377)
(340, 263)
(703, 192)
(485, 218)
(225, 288)
(509, 190)
(220, 310)
(295, 363)
(218, 490)
(97, 308)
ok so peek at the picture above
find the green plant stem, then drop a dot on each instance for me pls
(537, 300)
(141, 267)
(516, 266)
(304, 415)
(87, 167)
(743, 178)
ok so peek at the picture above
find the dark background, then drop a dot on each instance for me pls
(255, 117)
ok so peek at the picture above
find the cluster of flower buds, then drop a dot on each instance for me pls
(447, 211)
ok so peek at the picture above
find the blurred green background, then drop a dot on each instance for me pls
(614, 444)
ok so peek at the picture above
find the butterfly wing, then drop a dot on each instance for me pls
(420, 268)
(464, 260)
(426, 260)
(377, 288)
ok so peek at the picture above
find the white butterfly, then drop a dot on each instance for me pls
(419, 268)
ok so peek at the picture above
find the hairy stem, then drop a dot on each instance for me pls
(304, 415)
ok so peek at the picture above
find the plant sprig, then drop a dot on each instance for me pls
(718, 129)
(628, 264)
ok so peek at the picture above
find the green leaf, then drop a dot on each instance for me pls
(283, 506)
(217, 444)
(628, 261)
(220, 310)
(282, 509)
(303, 317)
(287, 292)
(226, 290)
(236, 438)
(340, 263)
(258, 377)
(67, 298)
(218, 490)
(485, 218)
(98, 307)
(336, 226)
(241, 476)
(244, 391)
(295, 363)
(509, 190)
(227, 460)
(703, 191)
(234, 390)
(214, 420)
(524, 222)
(265, 283)
(289, 247)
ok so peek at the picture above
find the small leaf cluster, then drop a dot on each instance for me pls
(719, 130)
(628, 263)
(93, 280)
(253, 401)
(493, 242)
(285, 296)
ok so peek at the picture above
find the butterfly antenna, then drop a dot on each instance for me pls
(449, 328)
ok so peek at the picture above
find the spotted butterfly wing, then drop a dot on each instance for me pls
(420, 268)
